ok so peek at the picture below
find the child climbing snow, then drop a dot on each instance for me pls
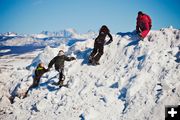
(39, 71)
(143, 24)
(58, 61)
(99, 45)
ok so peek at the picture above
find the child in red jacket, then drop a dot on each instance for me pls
(143, 24)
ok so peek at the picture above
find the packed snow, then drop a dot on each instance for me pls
(134, 81)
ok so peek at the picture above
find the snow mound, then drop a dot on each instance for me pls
(135, 80)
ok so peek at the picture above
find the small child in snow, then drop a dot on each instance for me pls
(58, 62)
(99, 43)
(39, 71)
(143, 24)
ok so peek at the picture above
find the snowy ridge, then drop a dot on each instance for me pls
(134, 81)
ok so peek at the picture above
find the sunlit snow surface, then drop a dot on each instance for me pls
(134, 81)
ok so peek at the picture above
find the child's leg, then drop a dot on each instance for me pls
(61, 76)
(36, 81)
(25, 95)
(94, 52)
(100, 53)
(35, 84)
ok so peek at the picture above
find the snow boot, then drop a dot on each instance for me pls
(61, 83)
(95, 62)
(56, 83)
(90, 59)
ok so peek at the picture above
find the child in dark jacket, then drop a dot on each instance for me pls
(58, 62)
(99, 45)
(39, 71)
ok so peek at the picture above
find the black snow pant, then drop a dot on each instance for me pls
(97, 52)
(61, 74)
(35, 84)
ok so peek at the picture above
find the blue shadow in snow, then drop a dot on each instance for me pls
(44, 83)
(134, 42)
(132, 78)
(125, 107)
(83, 55)
(103, 99)
(82, 117)
(14, 91)
(123, 92)
(34, 108)
(158, 95)
(133, 36)
(50, 88)
(141, 58)
(126, 33)
(86, 53)
(122, 97)
(177, 57)
(18, 50)
(115, 85)
(73, 41)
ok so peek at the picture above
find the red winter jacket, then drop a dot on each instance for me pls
(143, 24)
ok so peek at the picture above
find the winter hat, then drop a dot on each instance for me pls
(140, 13)
(104, 29)
(61, 52)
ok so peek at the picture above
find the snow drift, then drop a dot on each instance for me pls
(134, 81)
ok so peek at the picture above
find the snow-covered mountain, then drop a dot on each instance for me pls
(12, 43)
(47, 35)
(134, 81)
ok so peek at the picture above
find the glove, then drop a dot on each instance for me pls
(108, 42)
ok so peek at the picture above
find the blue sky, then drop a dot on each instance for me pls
(34, 16)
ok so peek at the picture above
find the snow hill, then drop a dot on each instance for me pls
(134, 81)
